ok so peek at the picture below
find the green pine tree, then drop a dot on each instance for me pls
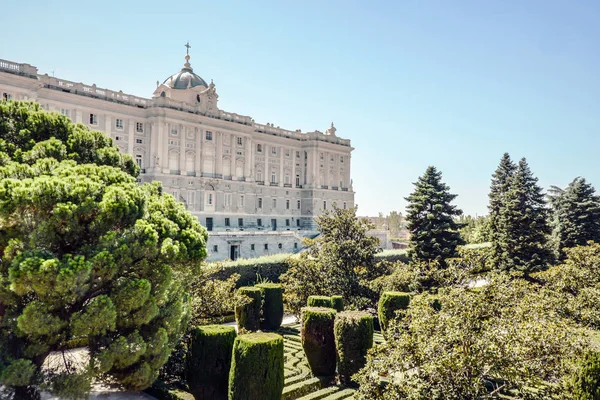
(434, 232)
(576, 215)
(498, 189)
(523, 227)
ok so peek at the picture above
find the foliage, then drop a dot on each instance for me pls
(392, 255)
(353, 332)
(272, 305)
(317, 339)
(389, 304)
(209, 361)
(507, 335)
(247, 315)
(257, 367)
(337, 303)
(393, 222)
(339, 261)
(430, 216)
(319, 301)
(576, 212)
(86, 252)
(586, 380)
(474, 229)
(268, 268)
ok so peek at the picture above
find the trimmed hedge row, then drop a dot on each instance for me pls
(209, 361)
(318, 341)
(319, 301)
(389, 303)
(257, 367)
(248, 316)
(272, 305)
(337, 302)
(353, 331)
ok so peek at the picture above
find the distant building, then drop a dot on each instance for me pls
(255, 187)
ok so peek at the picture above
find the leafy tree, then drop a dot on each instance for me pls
(474, 230)
(576, 215)
(430, 216)
(337, 262)
(86, 256)
(498, 190)
(521, 240)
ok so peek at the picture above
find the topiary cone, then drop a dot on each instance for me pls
(318, 340)
(353, 331)
(248, 315)
(389, 303)
(272, 305)
(257, 367)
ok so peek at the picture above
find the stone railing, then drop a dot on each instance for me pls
(19, 69)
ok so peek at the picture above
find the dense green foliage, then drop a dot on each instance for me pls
(576, 212)
(475, 230)
(209, 361)
(251, 270)
(338, 261)
(586, 380)
(318, 340)
(389, 304)
(272, 305)
(257, 367)
(247, 315)
(88, 254)
(319, 301)
(337, 303)
(353, 331)
(434, 232)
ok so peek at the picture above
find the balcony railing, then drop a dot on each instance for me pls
(324, 187)
(288, 185)
(274, 183)
(344, 189)
(260, 182)
(334, 188)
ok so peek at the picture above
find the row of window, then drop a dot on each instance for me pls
(139, 126)
(259, 222)
(215, 247)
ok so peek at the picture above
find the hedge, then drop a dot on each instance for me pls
(337, 302)
(248, 316)
(272, 305)
(353, 331)
(165, 392)
(209, 361)
(318, 341)
(268, 268)
(257, 367)
(319, 301)
(586, 381)
(392, 255)
(389, 303)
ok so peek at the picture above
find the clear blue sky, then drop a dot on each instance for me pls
(412, 83)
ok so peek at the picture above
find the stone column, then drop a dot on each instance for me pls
(78, 116)
(219, 153)
(248, 160)
(131, 137)
(165, 148)
(266, 173)
(293, 177)
(107, 126)
(182, 157)
(281, 180)
(198, 153)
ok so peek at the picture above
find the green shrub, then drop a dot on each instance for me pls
(318, 340)
(337, 302)
(163, 391)
(257, 367)
(247, 316)
(395, 255)
(586, 381)
(267, 267)
(272, 305)
(353, 331)
(389, 303)
(319, 301)
(209, 361)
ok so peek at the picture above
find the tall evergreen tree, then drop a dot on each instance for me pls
(576, 215)
(523, 224)
(498, 189)
(434, 232)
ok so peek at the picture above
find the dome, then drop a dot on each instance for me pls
(185, 79)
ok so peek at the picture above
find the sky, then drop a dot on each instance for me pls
(412, 83)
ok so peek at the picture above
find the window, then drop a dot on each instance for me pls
(117, 137)
(259, 148)
(139, 141)
(208, 135)
(209, 199)
(228, 199)
(119, 123)
(209, 224)
(215, 248)
(274, 203)
(93, 119)
(286, 180)
(280, 245)
(174, 131)
(325, 205)
(139, 127)
(295, 245)
(297, 154)
(321, 155)
(287, 222)
(191, 198)
(139, 160)
(259, 176)
(266, 246)
(227, 222)
(241, 201)
(241, 222)
(239, 141)
(342, 160)
(344, 205)
(260, 202)
(341, 184)
(298, 223)
(252, 247)
(65, 112)
(332, 159)
(259, 222)
(287, 152)
(297, 180)
(287, 204)
(273, 178)
(274, 150)
(298, 204)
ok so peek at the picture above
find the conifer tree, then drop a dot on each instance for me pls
(498, 189)
(523, 224)
(434, 232)
(576, 215)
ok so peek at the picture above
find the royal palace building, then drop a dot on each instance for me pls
(255, 187)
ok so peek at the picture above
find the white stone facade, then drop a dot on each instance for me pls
(248, 183)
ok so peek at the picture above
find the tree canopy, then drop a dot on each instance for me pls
(86, 256)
